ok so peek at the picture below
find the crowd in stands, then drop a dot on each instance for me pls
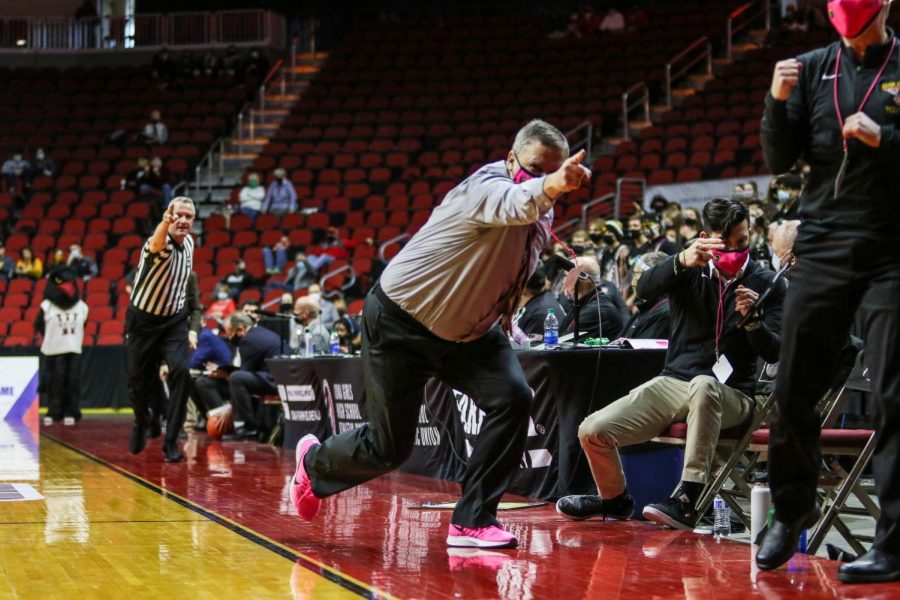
(613, 255)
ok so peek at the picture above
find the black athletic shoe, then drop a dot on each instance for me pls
(677, 513)
(171, 452)
(138, 439)
(588, 506)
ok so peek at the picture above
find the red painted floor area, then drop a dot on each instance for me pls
(372, 534)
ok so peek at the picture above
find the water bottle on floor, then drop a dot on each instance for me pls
(722, 513)
(551, 331)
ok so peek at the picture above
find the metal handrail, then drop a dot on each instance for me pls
(731, 29)
(566, 228)
(587, 206)
(391, 242)
(207, 163)
(248, 111)
(673, 71)
(617, 206)
(586, 143)
(628, 106)
(338, 271)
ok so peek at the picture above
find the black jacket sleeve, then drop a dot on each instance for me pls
(662, 279)
(785, 124)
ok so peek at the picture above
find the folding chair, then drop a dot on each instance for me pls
(836, 483)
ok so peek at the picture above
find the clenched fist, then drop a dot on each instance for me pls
(570, 176)
(786, 76)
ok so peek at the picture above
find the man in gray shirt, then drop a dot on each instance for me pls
(437, 313)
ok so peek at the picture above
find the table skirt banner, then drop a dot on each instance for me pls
(326, 395)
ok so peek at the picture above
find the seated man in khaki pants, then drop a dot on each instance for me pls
(709, 377)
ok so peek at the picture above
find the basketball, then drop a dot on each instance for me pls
(219, 421)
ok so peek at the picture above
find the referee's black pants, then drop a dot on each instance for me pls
(399, 356)
(832, 278)
(149, 341)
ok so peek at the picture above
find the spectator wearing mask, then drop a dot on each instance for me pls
(349, 335)
(536, 300)
(239, 280)
(650, 319)
(690, 226)
(222, 304)
(84, 266)
(299, 277)
(29, 265)
(275, 258)
(597, 316)
(41, 166)
(281, 197)
(613, 254)
(581, 244)
(255, 345)
(15, 169)
(7, 264)
(251, 197)
(710, 374)
(155, 132)
(306, 315)
(327, 309)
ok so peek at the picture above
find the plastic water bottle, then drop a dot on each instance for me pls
(308, 350)
(551, 331)
(722, 513)
(334, 342)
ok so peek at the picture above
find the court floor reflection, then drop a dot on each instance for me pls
(374, 541)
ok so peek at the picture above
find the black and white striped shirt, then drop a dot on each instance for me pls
(161, 282)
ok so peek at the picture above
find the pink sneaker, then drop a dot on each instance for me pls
(302, 496)
(492, 536)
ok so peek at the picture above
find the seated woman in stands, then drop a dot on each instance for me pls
(29, 265)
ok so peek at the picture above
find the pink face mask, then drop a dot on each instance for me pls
(730, 262)
(851, 17)
(522, 176)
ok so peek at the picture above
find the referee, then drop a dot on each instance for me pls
(156, 327)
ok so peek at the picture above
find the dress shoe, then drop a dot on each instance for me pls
(241, 434)
(155, 430)
(171, 452)
(200, 425)
(875, 566)
(780, 542)
(138, 439)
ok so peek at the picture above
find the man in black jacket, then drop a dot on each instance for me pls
(537, 299)
(709, 377)
(838, 108)
(255, 344)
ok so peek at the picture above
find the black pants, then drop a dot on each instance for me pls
(62, 373)
(831, 280)
(245, 387)
(208, 393)
(151, 340)
(399, 356)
